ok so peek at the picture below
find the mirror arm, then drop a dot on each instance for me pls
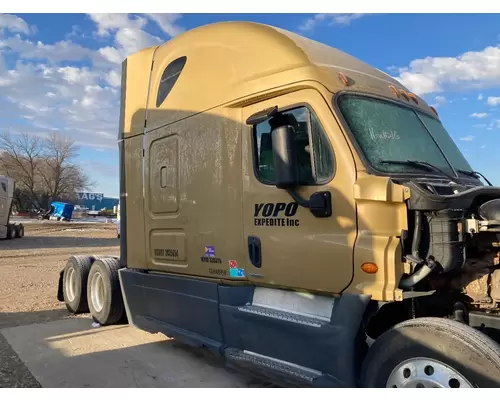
(300, 201)
(320, 203)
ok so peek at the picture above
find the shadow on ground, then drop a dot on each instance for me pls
(9, 320)
(13, 372)
(56, 242)
(71, 353)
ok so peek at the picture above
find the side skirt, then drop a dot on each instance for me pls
(277, 334)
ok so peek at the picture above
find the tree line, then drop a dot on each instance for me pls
(43, 167)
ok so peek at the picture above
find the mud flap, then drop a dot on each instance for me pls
(60, 295)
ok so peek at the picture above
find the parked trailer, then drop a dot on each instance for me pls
(299, 213)
(8, 230)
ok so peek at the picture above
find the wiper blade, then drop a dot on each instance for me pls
(420, 164)
(474, 174)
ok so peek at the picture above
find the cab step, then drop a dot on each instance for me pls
(283, 315)
(261, 364)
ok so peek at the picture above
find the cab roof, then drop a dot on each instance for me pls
(231, 61)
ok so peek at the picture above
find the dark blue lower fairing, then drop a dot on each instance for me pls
(271, 343)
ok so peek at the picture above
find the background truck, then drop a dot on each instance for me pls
(8, 230)
(299, 213)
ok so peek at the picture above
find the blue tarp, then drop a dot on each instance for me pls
(63, 210)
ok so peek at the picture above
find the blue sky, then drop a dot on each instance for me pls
(61, 71)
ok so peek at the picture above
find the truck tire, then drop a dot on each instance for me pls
(104, 292)
(19, 231)
(11, 232)
(74, 284)
(432, 352)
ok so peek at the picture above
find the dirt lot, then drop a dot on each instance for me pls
(29, 271)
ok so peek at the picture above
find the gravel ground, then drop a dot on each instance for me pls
(29, 273)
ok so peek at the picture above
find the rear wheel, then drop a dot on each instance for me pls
(432, 352)
(104, 293)
(75, 278)
(19, 231)
(11, 232)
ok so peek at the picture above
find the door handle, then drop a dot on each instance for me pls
(254, 251)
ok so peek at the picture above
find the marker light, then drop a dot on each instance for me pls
(369, 268)
(394, 90)
(343, 78)
(413, 97)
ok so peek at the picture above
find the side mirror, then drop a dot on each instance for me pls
(284, 157)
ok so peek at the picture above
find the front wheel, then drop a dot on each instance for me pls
(430, 353)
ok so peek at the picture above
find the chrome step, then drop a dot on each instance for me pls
(283, 315)
(279, 366)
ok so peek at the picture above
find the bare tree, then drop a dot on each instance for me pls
(21, 159)
(44, 168)
(60, 175)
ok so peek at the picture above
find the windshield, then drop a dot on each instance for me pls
(386, 131)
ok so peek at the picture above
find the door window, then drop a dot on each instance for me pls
(314, 154)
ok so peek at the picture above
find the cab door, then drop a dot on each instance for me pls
(287, 245)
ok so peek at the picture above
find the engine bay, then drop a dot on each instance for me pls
(453, 242)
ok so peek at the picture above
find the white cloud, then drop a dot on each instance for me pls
(479, 115)
(493, 101)
(480, 97)
(14, 24)
(128, 41)
(132, 40)
(112, 22)
(113, 78)
(439, 101)
(330, 19)
(68, 98)
(111, 54)
(167, 23)
(467, 138)
(54, 53)
(470, 69)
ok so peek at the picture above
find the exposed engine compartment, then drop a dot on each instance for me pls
(453, 242)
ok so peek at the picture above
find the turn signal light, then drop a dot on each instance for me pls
(369, 268)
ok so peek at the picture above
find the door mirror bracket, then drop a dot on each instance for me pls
(319, 204)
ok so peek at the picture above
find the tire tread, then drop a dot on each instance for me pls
(468, 338)
(82, 265)
(115, 307)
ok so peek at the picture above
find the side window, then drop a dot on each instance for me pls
(168, 79)
(314, 154)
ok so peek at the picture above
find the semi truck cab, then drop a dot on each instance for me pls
(282, 202)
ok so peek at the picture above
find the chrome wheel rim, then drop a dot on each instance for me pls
(97, 291)
(422, 372)
(71, 284)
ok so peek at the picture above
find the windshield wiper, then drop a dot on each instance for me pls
(474, 174)
(420, 164)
